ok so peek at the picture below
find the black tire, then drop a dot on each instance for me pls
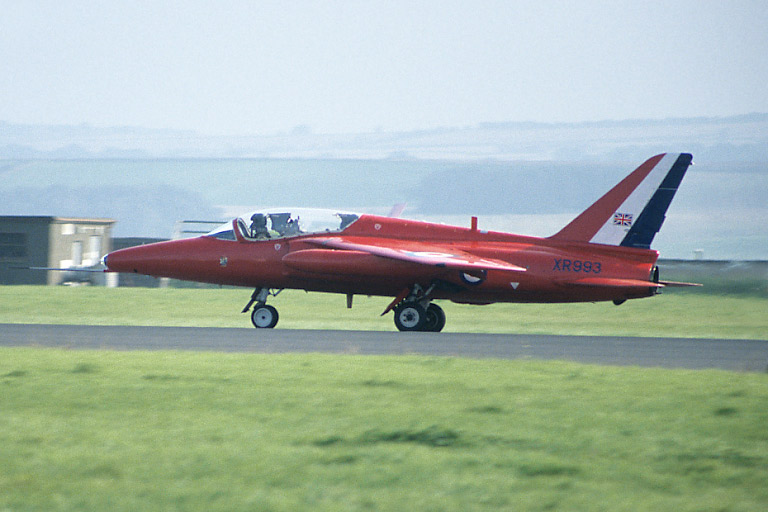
(264, 317)
(410, 316)
(434, 320)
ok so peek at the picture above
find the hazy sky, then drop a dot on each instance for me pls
(260, 67)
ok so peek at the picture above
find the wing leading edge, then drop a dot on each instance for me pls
(418, 252)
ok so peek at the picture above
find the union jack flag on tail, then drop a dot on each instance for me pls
(622, 219)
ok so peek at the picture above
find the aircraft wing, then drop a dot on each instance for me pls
(417, 252)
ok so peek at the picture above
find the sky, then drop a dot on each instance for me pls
(265, 67)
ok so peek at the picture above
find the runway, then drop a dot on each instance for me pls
(734, 355)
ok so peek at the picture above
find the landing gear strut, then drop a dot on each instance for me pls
(263, 316)
(417, 313)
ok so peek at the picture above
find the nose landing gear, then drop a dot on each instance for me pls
(263, 316)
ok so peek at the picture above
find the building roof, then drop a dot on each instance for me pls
(50, 218)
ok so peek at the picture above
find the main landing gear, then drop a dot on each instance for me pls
(412, 316)
(414, 310)
(263, 316)
(417, 313)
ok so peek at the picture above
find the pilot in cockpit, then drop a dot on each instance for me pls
(292, 227)
(259, 226)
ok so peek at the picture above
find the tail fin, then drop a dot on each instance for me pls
(632, 212)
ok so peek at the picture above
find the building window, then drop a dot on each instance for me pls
(13, 245)
(94, 246)
(77, 253)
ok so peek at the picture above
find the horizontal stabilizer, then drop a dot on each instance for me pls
(678, 284)
(613, 282)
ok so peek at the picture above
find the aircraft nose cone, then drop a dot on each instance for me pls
(120, 261)
(174, 259)
(142, 259)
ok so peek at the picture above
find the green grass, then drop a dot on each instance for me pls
(670, 314)
(99, 430)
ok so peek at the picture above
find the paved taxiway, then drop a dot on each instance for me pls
(737, 355)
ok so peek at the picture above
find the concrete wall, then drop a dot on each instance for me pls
(42, 241)
(78, 243)
(24, 242)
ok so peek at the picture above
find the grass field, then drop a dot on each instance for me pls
(96, 430)
(103, 430)
(670, 314)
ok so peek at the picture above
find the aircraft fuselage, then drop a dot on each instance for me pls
(294, 263)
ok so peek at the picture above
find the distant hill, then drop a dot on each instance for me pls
(524, 177)
(737, 138)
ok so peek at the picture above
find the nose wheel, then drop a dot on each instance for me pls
(263, 316)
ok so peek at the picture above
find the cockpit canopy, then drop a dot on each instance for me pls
(285, 222)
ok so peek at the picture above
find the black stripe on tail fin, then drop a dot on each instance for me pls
(649, 221)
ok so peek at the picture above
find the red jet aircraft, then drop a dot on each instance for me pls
(602, 255)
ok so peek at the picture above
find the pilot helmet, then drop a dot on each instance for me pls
(258, 219)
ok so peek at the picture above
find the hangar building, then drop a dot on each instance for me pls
(60, 242)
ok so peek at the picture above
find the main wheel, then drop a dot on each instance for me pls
(434, 320)
(410, 316)
(264, 316)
